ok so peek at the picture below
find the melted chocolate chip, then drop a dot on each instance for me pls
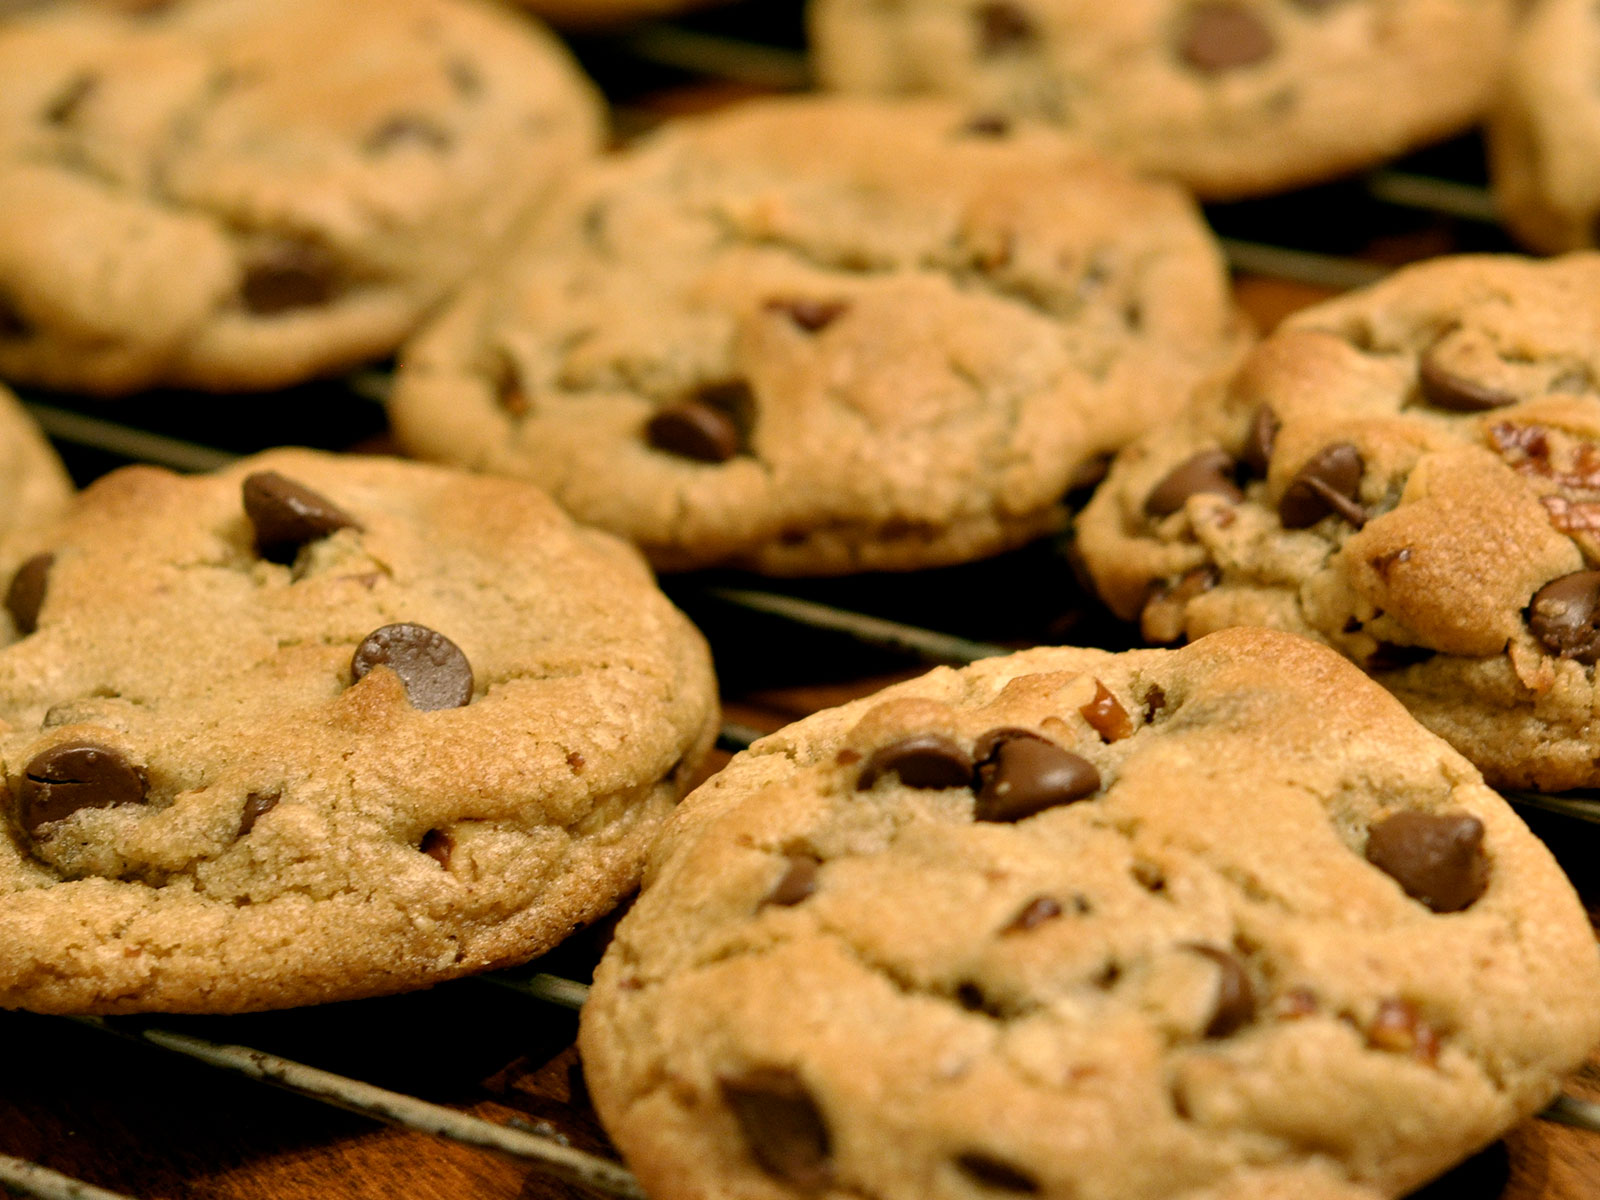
(782, 1126)
(435, 672)
(988, 1171)
(1443, 388)
(66, 778)
(408, 129)
(1034, 914)
(1236, 999)
(1565, 615)
(1256, 454)
(64, 107)
(1003, 29)
(1437, 858)
(799, 882)
(1222, 36)
(1329, 483)
(695, 430)
(285, 275)
(438, 845)
(1209, 473)
(1106, 716)
(287, 515)
(256, 806)
(1026, 774)
(811, 315)
(25, 596)
(922, 760)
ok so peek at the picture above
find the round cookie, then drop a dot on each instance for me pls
(825, 335)
(315, 728)
(1233, 97)
(1544, 134)
(1220, 923)
(226, 195)
(34, 487)
(1411, 473)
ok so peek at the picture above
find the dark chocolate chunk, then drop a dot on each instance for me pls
(63, 108)
(435, 672)
(811, 315)
(987, 1171)
(1565, 615)
(1209, 473)
(697, 430)
(1222, 36)
(1398, 1027)
(1437, 858)
(256, 806)
(798, 884)
(285, 274)
(61, 780)
(25, 596)
(438, 845)
(1027, 774)
(782, 1126)
(1329, 482)
(1256, 453)
(287, 515)
(1034, 914)
(1106, 716)
(408, 129)
(1443, 388)
(1003, 29)
(922, 760)
(1236, 999)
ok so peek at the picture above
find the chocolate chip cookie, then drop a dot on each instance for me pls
(316, 728)
(1233, 97)
(226, 195)
(826, 335)
(1410, 473)
(1544, 135)
(1220, 923)
(33, 484)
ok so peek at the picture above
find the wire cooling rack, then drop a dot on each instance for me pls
(498, 1074)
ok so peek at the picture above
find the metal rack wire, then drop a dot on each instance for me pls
(744, 46)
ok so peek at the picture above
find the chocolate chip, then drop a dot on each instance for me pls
(12, 323)
(25, 596)
(1391, 656)
(1222, 36)
(1259, 441)
(1034, 914)
(811, 315)
(1565, 615)
(1328, 483)
(1437, 858)
(1443, 388)
(287, 515)
(1399, 1028)
(798, 884)
(435, 672)
(1209, 473)
(283, 275)
(63, 108)
(697, 430)
(782, 1126)
(922, 760)
(408, 129)
(1003, 29)
(256, 806)
(438, 845)
(1026, 774)
(1155, 699)
(987, 1171)
(1236, 999)
(65, 778)
(992, 125)
(1106, 716)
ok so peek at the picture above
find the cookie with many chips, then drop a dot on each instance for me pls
(315, 728)
(224, 194)
(1221, 922)
(826, 335)
(1410, 473)
(1233, 97)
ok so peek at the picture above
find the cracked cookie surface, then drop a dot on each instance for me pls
(1233, 97)
(1410, 473)
(1164, 925)
(227, 195)
(825, 335)
(315, 728)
